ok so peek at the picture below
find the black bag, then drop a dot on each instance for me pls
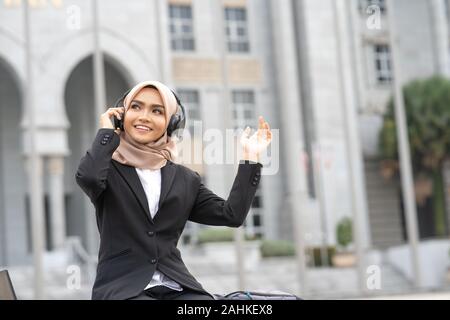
(257, 295)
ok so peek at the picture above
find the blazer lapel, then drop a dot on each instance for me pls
(167, 178)
(131, 177)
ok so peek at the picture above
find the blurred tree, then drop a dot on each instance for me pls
(427, 104)
(344, 233)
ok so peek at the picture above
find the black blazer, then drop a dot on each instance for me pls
(133, 244)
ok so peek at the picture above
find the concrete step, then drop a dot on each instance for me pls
(384, 207)
(377, 193)
(387, 243)
(384, 218)
(385, 234)
(384, 222)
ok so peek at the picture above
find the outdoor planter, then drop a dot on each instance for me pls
(344, 260)
(344, 257)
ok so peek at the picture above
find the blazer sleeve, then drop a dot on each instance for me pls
(93, 169)
(211, 209)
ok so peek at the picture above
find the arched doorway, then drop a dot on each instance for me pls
(13, 187)
(79, 103)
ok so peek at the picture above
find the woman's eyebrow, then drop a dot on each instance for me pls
(143, 103)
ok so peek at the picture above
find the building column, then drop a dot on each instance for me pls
(164, 51)
(354, 151)
(288, 89)
(56, 199)
(441, 36)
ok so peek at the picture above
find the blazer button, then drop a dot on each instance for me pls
(257, 174)
(254, 183)
(153, 261)
(151, 233)
(107, 136)
(103, 142)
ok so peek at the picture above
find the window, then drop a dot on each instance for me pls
(364, 4)
(191, 102)
(244, 115)
(383, 71)
(181, 28)
(243, 108)
(236, 30)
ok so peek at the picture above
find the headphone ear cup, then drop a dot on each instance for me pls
(172, 124)
(178, 120)
(122, 121)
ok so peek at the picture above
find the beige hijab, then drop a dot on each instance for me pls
(153, 155)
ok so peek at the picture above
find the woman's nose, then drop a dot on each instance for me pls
(145, 115)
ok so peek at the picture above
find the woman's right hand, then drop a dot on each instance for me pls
(105, 118)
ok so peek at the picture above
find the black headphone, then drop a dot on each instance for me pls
(176, 121)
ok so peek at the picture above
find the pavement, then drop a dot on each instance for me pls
(215, 268)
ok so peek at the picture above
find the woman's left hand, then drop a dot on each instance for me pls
(258, 142)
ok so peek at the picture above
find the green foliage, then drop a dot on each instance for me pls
(439, 202)
(427, 107)
(388, 140)
(219, 235)
(344, 232)
(277, 248)
(215, 235)
(281, 248)
(317, 255)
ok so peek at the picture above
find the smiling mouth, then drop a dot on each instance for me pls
(142, 128)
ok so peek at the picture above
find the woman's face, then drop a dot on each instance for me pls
(145, 119)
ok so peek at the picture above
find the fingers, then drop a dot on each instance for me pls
(116, 112)
(268, 132)
(263, 132)
(260, 129)
(264, 128)
(105, 118)
(261, 122)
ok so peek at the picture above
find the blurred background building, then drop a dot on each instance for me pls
(338, 53)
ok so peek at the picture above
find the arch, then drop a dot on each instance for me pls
(13, 222)
(12, 57)
(79, 102)
(118, 50)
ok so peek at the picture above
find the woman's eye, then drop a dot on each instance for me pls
(134, 106)
(158, 111)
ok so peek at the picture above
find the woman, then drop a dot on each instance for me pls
(143, 199)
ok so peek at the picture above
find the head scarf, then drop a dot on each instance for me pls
(153, 155)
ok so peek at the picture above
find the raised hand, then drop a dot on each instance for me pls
(254, 144)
